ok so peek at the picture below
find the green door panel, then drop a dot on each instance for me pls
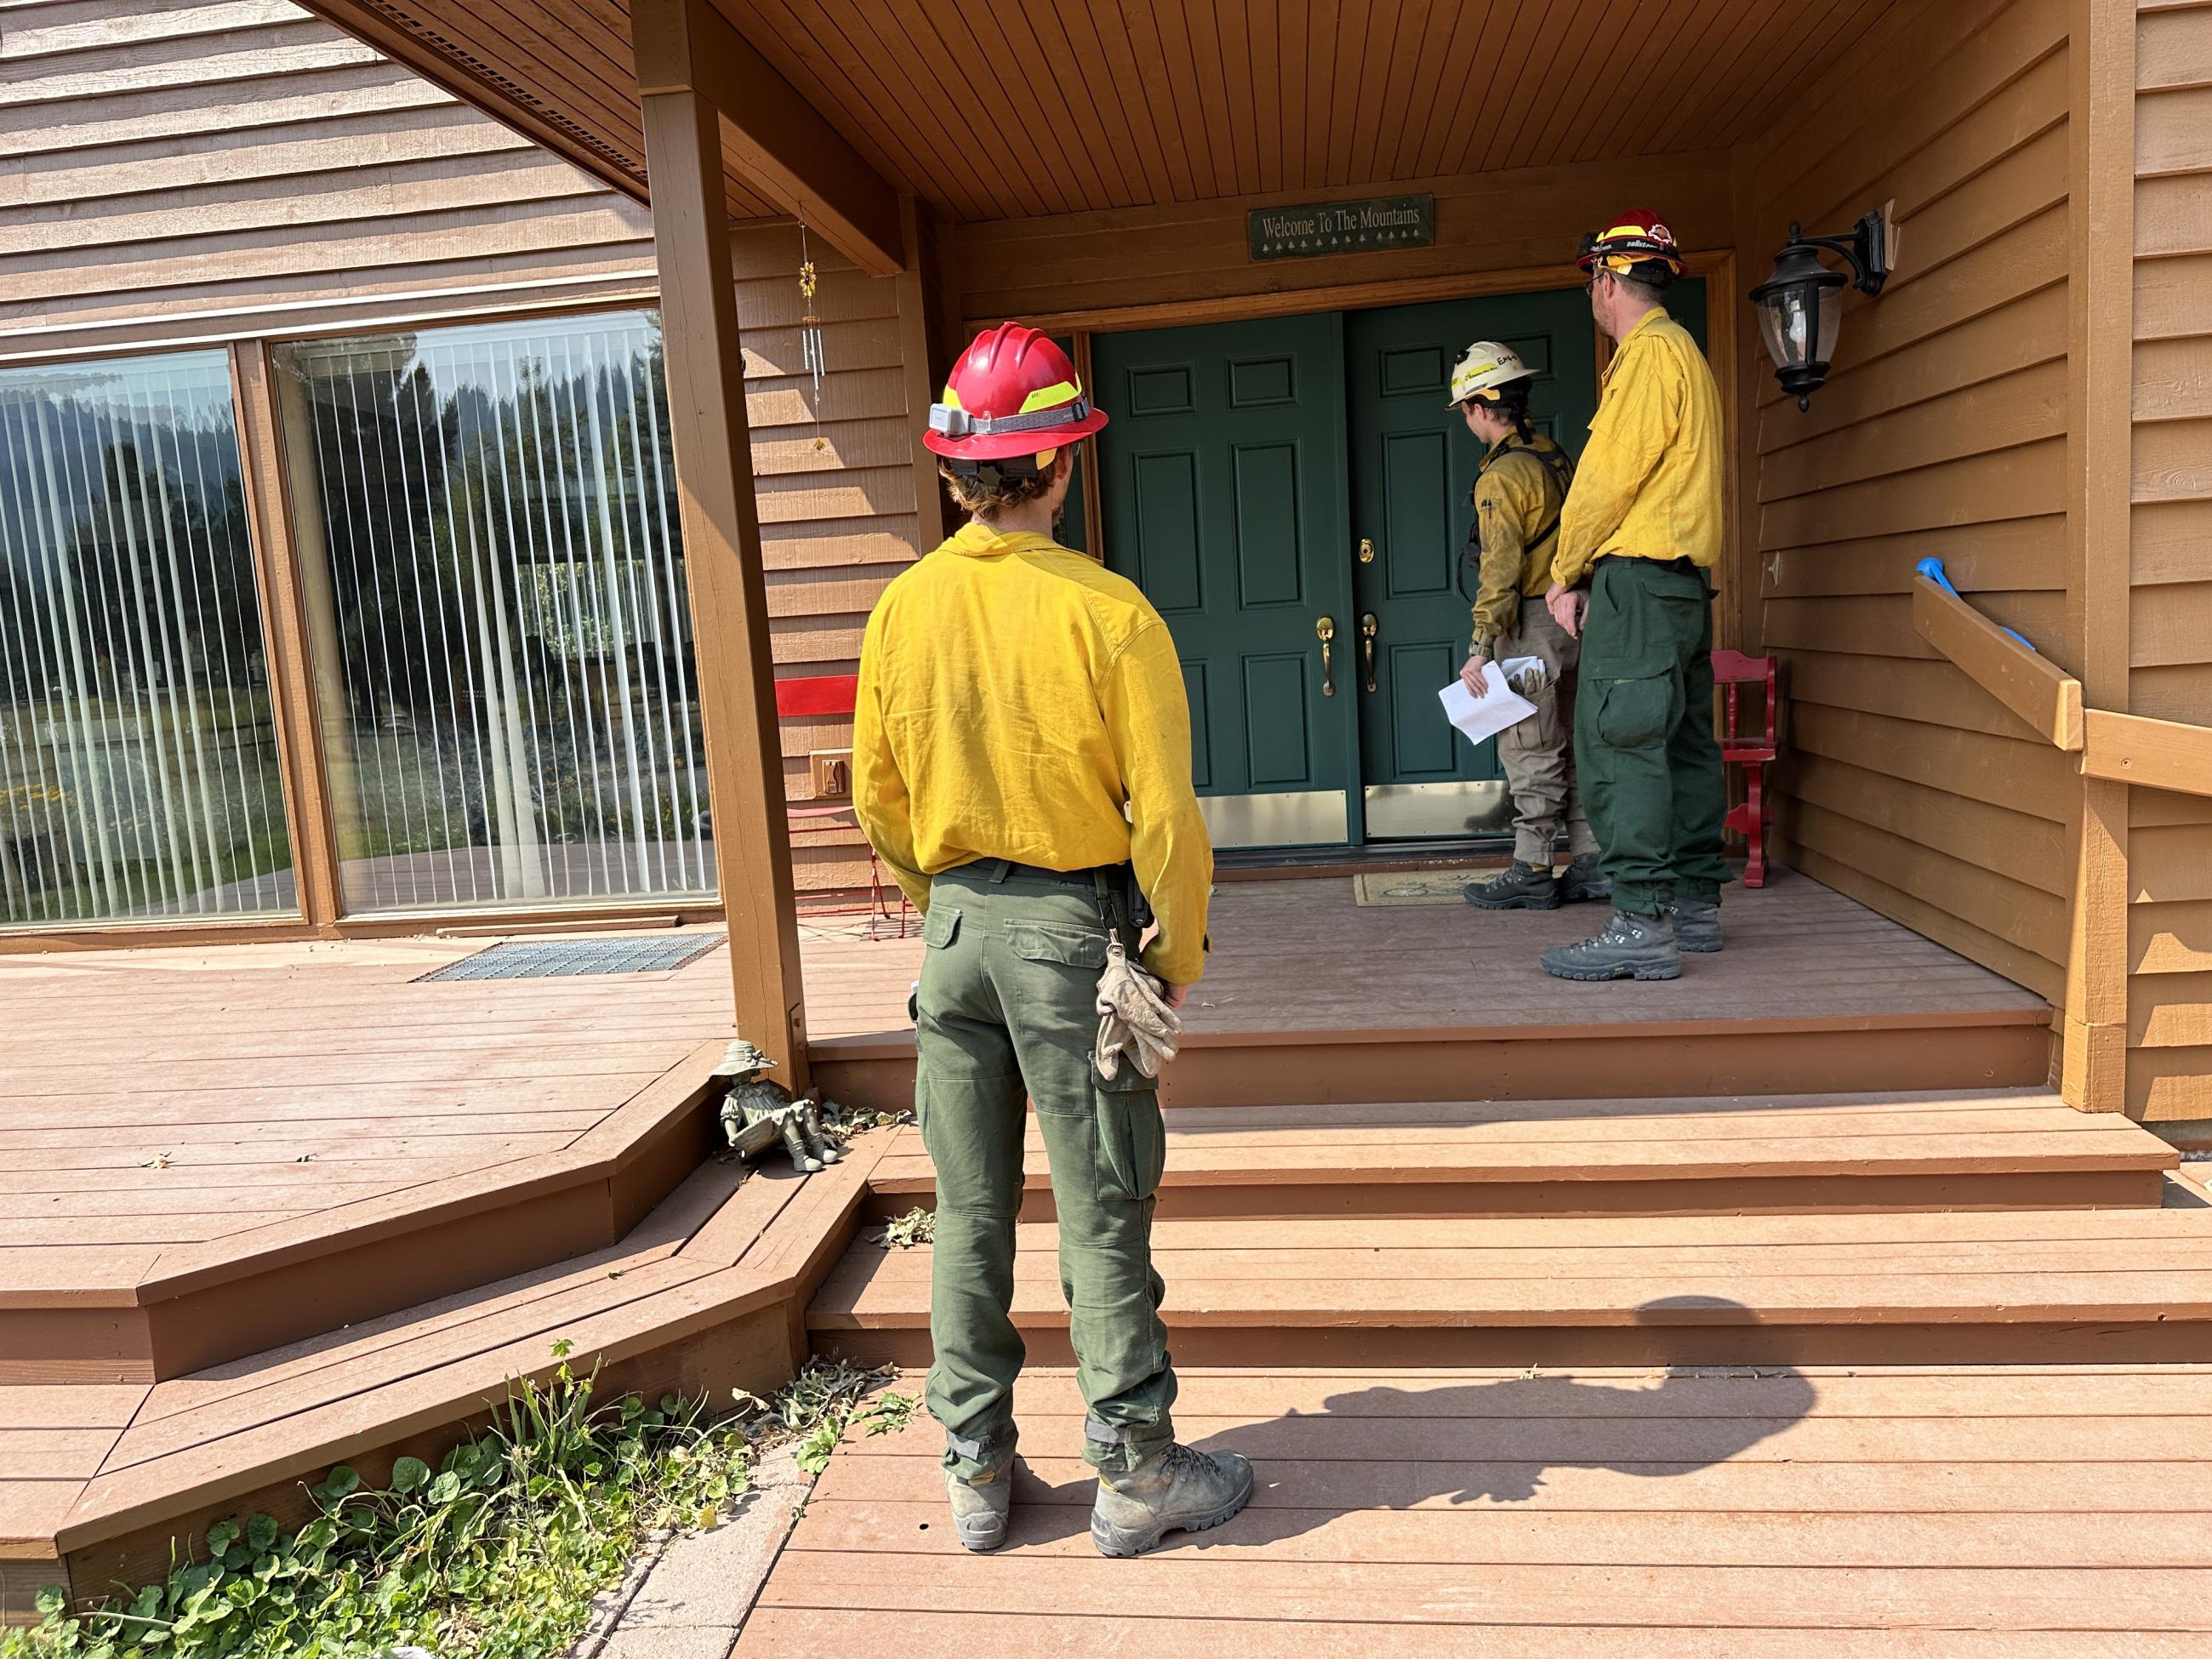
(1244, 464)
(1221, 484)
(1412, 465)
(1685, 304)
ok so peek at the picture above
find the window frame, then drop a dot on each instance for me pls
(269, 500)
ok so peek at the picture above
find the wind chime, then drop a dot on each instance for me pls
(809, 334)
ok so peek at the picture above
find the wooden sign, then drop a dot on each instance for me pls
(1302, 232)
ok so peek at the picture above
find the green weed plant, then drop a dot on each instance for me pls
(496, 1553)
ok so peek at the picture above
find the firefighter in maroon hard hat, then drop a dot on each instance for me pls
(1021, 760)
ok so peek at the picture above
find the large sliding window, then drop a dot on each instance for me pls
(495, 601)
(139, 777)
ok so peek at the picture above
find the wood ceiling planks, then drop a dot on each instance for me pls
(1154, 101)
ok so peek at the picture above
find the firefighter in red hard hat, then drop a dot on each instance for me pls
(1638, 538)
(1021, 761)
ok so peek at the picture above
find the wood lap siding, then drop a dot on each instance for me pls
(223, 169)
(2170, 619)
(219, 171)
(1942, 431)
(1198, 253)
(836, 523)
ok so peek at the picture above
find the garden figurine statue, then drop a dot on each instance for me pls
(757, 1112)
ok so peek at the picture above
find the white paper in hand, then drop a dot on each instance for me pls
(1485, 717)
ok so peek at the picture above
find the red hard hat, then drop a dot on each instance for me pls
(1633, 237)
(1012, 392)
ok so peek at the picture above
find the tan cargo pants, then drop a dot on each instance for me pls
(1538, 754)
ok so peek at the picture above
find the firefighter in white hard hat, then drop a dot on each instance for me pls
(1519, 489)
(1021, 760)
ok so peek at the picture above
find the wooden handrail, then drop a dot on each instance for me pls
(2032, 686)
(2152, 754)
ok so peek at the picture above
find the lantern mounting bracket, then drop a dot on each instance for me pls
(1800, 306)
(1865, 249)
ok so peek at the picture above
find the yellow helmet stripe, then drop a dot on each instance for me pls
(1052, 397)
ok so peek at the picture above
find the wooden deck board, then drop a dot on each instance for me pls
(1447, 967)
(318, 1401)
(101, 1469)
(1550, 1145)
(181, 1107)
(1902, 1511)
(1169, 1635)
(1996, 1281)
(301, 1080)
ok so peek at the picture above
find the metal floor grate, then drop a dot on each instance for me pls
(557, 958)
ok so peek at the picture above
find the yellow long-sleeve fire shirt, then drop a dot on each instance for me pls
(1014, 699)
(1649, 483)
(1518, 489)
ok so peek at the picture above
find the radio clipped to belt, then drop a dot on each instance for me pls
(1134, 1020)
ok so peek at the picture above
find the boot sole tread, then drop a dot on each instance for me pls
(1666, 970)
(980, 1543)
(1516, 904)
(1116, 1542)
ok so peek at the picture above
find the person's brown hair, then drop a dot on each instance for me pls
(988, 493)
(1648, 279)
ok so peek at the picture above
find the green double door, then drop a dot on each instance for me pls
(1292, 495)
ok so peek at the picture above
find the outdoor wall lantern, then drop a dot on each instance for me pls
(1801, 306)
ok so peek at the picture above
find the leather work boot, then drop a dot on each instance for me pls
(1698, 925)
(1179, 1491)
(1583, 880)
(1631, 947)
(979, 1508)
(1519, 887)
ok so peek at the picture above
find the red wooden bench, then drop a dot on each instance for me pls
(1748, 749)
(835, 694)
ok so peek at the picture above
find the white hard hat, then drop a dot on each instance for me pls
(1484, 367)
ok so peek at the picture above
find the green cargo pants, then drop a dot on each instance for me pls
(1007, 1014)
(1644, 748)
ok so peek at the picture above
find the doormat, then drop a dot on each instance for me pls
(558, 958)
(1416, 886)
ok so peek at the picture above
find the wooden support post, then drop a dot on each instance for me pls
(292, 664)
(705, 364)
(2100, 328)
(781, 143)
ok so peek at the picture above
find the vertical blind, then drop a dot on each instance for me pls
(138, 768)
(507, 694)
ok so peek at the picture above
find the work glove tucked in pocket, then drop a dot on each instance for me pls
(1134, 1020)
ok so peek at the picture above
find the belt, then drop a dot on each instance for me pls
(1002, 869)
(1687, 567)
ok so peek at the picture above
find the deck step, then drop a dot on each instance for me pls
(1742, 1154)
(705, 1292)
(1310, 995)
(97, 1312)
(1672, 1516)
(1981, 1288)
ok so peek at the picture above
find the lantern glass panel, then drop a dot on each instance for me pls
(1800, 324)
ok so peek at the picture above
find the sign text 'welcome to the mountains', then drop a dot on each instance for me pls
(1292, 233)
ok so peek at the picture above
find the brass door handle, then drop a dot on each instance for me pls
(1325, 631)
(1368, 628)
(1366, 551)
